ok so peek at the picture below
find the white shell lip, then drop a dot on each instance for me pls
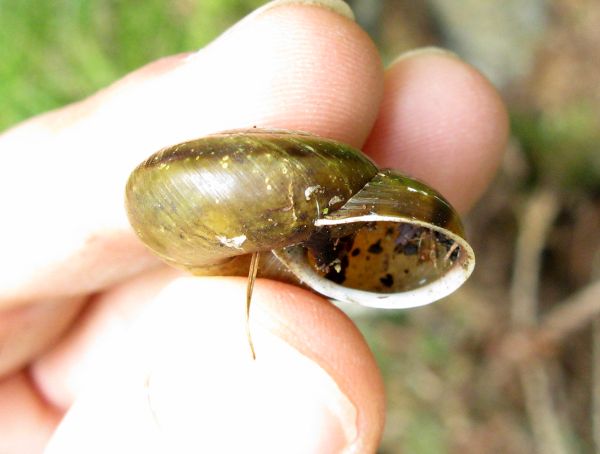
(294, 258)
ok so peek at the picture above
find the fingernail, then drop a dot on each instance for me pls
(324, 417)
(337, 6)
(422, 51)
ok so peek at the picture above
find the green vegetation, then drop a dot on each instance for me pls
(53, 53)
(562, 145)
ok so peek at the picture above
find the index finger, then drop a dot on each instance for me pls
(292, 66)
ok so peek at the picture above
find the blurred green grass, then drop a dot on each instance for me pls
(53, 53)
(562, 145)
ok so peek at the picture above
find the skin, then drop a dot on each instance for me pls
(104, 349)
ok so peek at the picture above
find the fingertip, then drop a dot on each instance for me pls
(337, 6)
(441, 121)
(291, 64)
(314, 386)
(314, 383)
(304, 66)
(322, 332)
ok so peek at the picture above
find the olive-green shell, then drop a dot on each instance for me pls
(202, 201)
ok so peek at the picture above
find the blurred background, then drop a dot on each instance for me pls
(511, 362)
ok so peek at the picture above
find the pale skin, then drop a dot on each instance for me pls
(105, 349)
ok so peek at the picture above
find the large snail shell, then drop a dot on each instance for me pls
(338, 224)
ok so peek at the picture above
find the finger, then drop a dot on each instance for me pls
(290, 66)
(27, 331)
(26, 421)
(68, 367)
(440, 121)
(189, 380)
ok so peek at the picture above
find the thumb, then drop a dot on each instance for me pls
(187, 383)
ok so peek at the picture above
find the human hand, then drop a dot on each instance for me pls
(107, 350)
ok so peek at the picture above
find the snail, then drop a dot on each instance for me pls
(320, 212)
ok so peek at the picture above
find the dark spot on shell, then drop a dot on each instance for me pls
(410, 249)
(345, 262)
(321, 246)
(336, 277)
(406, 233)
(387, 280)
(376, 248)
(348, 243)
(443, 240)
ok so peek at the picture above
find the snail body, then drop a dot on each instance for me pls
(334, 221)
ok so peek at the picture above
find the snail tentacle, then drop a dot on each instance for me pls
(249, 288)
